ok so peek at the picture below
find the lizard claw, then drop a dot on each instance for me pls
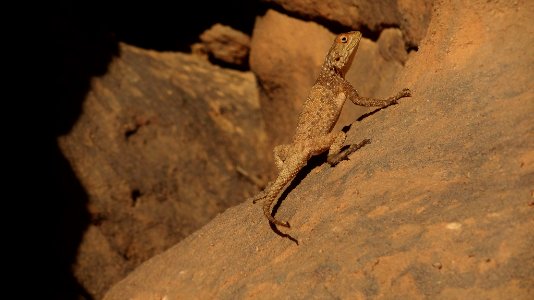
(280, 223)
(405, 93)
(401, 94)
(257, 198)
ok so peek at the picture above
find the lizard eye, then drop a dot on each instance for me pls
(343, 39)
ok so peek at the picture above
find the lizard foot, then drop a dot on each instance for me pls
(401, 94)
(260, 196)
(257, 198)
(276, 222)
(335, 159)
(267, 213)
(404, 93)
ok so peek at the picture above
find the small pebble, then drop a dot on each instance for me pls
(437, 265)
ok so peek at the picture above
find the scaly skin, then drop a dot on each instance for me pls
(319, 115)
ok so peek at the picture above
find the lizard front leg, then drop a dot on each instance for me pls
(366, 101)
(335, 155)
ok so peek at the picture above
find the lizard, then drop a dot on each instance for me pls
(320, 113)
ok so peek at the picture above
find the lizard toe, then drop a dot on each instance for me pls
(406, 93)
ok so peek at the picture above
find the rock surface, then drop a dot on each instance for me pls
(226, 44)
(157, 149)
(439, 206)
(287, 63)
(411, 16)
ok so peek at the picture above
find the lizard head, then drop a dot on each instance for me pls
(340, 56)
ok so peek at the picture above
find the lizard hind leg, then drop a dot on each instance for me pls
(271, 196)
(280, 154)
(293, 164)
(267, 212)
(261, 195)
(335, 158)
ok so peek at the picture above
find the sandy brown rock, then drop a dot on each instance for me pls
(287, 68)
(414, 19)
(374, 72)
(438, 206)
(98, 265)
(286, 62)
(157, 148)
(411, 16)
(391, 45)
(351, 13)
(226, 44)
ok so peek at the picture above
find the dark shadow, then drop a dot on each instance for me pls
(67, 220)
(315, 161)
(244, 67)
(332, 25)
(76, 48)
(412, 48)
(346, 128)
(170, 26)
(282, 234)
(366, 115)
(79, 40)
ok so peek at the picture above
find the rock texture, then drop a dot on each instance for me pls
(158, 148)
(287, 62)
(225, 44)
(438, 206)
(411, 16)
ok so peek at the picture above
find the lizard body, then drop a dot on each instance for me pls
(320, 113)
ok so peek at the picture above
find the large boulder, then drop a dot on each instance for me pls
(438, 206)
(160, 148)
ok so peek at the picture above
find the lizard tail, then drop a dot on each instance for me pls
(267, 213)
(291, 168)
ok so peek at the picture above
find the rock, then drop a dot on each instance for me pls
(414, 20)
(351, 13)
(374, 71)
(226, 44)
(157, 150)
(199, 50)
(448, 178)
(286, 61)
(391, 45)
(98, 265)
(287, 69)
(411, 16)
